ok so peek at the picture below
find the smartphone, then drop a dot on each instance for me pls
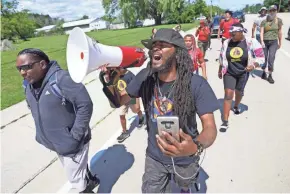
(170, 124)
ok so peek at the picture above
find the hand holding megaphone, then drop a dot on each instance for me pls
(85, 55)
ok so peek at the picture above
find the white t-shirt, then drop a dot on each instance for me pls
(258, 22)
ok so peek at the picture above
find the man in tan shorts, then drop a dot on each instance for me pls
(134, 104)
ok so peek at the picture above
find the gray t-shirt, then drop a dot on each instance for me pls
(258, 22)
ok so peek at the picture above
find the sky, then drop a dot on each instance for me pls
(233, 4)
(66, 9)
(75, 9)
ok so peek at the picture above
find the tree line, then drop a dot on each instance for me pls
(167, 11)
(22, 24)
(283, 6)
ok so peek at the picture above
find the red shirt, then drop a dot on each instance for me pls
(195, 55)
(226, 25)
(203, 33)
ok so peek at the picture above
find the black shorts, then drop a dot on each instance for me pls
(236, 82)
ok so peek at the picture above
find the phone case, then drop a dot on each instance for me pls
(170, 124)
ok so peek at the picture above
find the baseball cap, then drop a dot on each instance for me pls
(166, 35)
(263, 8)
(273, 7)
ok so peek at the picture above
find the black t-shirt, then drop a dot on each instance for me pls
(205, 102)
(237, 56)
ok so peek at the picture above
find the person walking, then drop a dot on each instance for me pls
(210, 26)
(225, 25)
(196, 55)
(257, 23)
(239, 56)
(169, 88)
(202, 33)
(122, 78)
(271, 40)
(61, 110)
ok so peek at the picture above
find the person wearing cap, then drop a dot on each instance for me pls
(226, 24)
(195, 54)
(239, 56)
(169, 88)
(257, 23)
(62, 125)
(271, 40)
(203, 33)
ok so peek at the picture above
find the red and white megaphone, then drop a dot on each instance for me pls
(85, 55)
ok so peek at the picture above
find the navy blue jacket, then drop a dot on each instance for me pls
(61, 128)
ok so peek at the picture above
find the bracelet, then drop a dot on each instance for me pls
(199, 148)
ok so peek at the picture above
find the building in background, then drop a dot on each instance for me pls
(45, 29)
(87, 25)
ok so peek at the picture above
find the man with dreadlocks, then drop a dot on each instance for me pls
(61, 110)
(168, 87)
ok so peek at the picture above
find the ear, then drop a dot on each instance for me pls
(43, 64)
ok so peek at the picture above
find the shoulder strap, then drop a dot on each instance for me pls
(55, 88)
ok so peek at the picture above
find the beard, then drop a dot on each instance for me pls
(164, 68)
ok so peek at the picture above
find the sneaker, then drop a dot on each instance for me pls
(123, 136)
(224, 126)
(264, 75)
(141, 122)
(236, 110)
(270, 79)
(92, 182)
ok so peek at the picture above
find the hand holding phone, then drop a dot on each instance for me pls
(169, 124)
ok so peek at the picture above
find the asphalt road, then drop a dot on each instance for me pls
(252, 156)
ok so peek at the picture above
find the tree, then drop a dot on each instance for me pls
(85, 17)
(283, 7)
(15, 24)
(133, 10)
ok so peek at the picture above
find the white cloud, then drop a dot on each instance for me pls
(67, 9)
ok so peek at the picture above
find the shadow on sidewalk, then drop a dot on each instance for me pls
(110, 164)
(242, 106)
(256, 72)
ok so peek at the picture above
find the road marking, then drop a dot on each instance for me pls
(67, 186)
(285, 52)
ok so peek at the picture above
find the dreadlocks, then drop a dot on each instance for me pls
(182, 94)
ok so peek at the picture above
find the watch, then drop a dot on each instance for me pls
(199, 148)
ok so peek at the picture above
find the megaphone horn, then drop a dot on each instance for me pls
(85, 55)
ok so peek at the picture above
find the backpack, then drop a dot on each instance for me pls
(52, 81)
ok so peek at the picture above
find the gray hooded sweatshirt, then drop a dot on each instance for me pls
(61, 128)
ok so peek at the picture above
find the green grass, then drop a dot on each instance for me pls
(55, 48)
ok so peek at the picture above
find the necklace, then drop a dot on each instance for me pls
(163, 103)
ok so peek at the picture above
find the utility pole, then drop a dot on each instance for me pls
(211, 9)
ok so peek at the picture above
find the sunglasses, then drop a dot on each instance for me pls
(27, 66)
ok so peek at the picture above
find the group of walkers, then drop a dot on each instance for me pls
(168, 86)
